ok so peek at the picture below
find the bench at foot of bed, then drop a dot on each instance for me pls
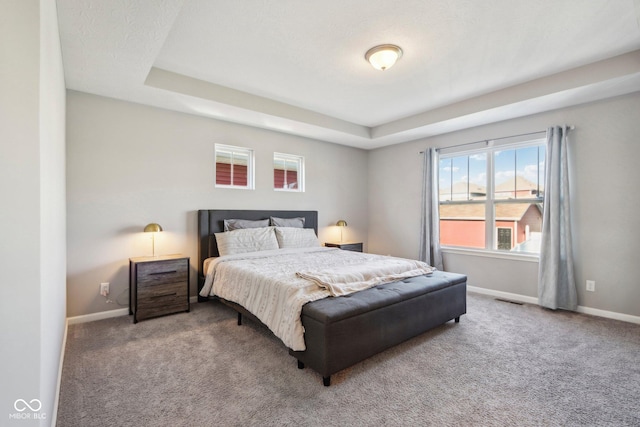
(340, 332)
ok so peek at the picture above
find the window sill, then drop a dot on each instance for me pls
(233, 187)
(286, 190)
(491, 254)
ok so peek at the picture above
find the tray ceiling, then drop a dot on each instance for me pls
(298, 66)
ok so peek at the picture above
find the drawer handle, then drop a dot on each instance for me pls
(163, 272)
(164, 295)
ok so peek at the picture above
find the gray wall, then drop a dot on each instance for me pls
(129, 165)
(605, 176)
(32, 218)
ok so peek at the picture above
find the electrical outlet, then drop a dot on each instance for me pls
(104, 289)
(591, 285)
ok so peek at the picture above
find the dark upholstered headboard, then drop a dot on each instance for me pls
(212, 221)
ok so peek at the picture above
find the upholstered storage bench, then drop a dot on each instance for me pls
(340, 332)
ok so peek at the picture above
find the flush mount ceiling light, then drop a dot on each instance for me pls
(383, 56)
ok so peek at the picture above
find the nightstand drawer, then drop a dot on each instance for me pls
(152, 294)
(165, 299)
(157, 273)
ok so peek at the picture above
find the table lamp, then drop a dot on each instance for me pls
(153, 228)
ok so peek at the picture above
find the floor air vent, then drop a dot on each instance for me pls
(506, 300)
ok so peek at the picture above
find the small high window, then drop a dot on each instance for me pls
(288, 172)
(234, 167)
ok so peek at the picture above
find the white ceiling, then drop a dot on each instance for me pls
(297, 66)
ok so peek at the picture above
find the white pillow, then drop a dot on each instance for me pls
(246, 240)
(293, 237)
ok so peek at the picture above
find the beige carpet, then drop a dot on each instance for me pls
(502, 365)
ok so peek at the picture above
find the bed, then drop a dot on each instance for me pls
(344, 330)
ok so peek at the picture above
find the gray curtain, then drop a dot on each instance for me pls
(556, 282)
(430, 217)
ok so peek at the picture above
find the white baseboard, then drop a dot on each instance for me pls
(609, 314)
(92, 317)
(54, 418)
(533, 300)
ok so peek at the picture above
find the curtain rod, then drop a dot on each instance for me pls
(495, 139)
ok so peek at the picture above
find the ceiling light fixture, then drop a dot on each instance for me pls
(383, 56)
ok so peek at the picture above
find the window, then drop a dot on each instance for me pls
(234, 167)
(491, 198)
(288, 172)
(504, 238)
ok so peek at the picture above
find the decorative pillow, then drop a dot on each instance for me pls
(287, 222)
(293, 237)
(237, 224)
(246, 240)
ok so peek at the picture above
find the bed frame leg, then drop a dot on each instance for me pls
(326, 381)
(300, 365)
(239, 319)
(458, 319)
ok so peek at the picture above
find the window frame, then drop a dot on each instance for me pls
(490, 201)
(299, 173)
(248, 152)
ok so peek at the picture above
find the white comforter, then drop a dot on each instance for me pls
(268, 283)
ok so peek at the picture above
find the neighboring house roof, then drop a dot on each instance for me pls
(518, 183)
(475, 211)
(459, 189)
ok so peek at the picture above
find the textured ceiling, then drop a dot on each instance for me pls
(298, 66)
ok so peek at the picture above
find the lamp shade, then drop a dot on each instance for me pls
(341, 223)
(383, 56)
(152, 228)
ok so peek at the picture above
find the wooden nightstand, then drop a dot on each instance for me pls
(356, 247)
(158, 286)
